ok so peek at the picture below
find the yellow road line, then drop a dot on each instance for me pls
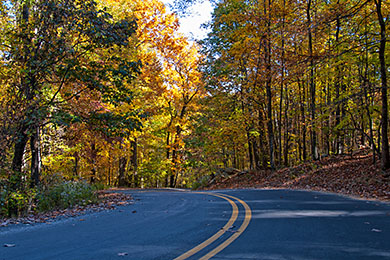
(216, 235)
(244, 225)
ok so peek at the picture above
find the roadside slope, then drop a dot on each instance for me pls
(351, 175)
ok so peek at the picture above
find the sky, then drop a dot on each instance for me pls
(191, 25)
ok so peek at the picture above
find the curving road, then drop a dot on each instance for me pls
(228, 224)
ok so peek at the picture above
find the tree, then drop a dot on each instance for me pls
(55, 50)
(383, 68)
(317, 51)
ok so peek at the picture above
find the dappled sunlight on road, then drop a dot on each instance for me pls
(370, 253)
(313, 213)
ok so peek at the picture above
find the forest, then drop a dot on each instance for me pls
(103, 93)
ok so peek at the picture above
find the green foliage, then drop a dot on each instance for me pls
(201, 182)
(67, 194)
(56, 52)
(112, 124)
(16, 199)
(99, 186)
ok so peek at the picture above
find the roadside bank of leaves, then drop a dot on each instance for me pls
(355, 175)
(106, 200)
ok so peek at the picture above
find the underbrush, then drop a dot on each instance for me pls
(66, 195)
(18, 200)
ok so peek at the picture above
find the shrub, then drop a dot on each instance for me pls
(201, 182)
(21, 202)
(67, 194)
(16, 199)
(99, 186)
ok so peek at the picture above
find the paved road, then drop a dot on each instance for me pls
(185, 225)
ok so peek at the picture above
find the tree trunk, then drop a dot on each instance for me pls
(256, 155)
(250, 151)
(281, 93)
(384, 119)
(35, 158)
(262, 140)
(76, 164)
(20, 146)
(175, 157)
(312, 86)
(168, 140)
(286, 130)
(93, 162)
(235, 163)
(337, 89)
(303, 118)
(224, 158)
(267, 51)
(367, 86)
(22, 136)
(134, 161)
(122, 182)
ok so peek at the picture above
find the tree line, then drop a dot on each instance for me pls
(290, 81)
(99, 91)
(110, 92)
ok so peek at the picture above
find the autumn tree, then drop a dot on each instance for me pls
(383, 73)
(54, 57)
(321, 69)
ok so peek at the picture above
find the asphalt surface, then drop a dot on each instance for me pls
(165, 224)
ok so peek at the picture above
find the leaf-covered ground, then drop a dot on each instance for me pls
(108, 200)
(351, 175)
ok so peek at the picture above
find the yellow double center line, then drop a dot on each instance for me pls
(233, 218)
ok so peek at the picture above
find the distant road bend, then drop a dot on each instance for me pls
(228, 224)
